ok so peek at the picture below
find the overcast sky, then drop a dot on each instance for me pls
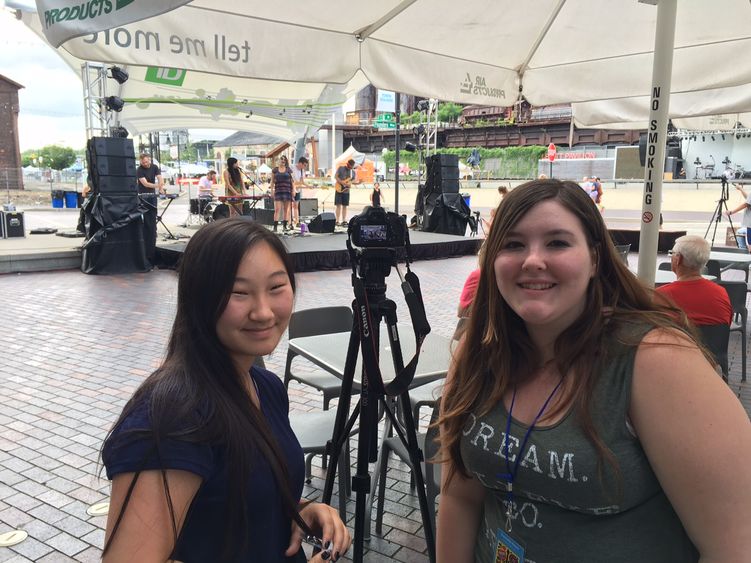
(51, 102)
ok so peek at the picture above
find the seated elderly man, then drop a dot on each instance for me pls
(704, 302)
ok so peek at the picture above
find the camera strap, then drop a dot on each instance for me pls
(403, 379)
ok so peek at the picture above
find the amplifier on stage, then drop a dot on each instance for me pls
(12, 224)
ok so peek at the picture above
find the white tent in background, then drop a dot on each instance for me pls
(160, 98)
(549, 51)
(264, 169)
(733, 103)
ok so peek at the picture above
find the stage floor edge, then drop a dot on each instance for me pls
(316, 252)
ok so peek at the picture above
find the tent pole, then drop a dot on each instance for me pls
(657, 129)
(333, 150)
(398, 114)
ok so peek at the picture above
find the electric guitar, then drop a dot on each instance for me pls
(342, 186)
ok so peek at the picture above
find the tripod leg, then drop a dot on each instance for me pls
(361, 480)
(379, 475)
(341, 432)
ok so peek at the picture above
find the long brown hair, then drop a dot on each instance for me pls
(497, 351)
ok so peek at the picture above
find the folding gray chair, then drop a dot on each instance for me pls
(737, 294)
(313, 431)
(312, 322)
(739, 267)
(623, 250)
(431, 471)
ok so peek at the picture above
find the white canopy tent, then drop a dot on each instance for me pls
(490, 52)
(688, 110)
(159, 98)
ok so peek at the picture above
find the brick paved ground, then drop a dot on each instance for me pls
(75, 347)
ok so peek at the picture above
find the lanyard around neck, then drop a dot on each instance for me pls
(510, 476)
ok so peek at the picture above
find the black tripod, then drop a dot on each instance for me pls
(722, 204)
(371, 306)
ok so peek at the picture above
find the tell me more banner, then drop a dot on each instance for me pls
(64, 20)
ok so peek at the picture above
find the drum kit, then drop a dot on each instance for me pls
(736, 172)
(206, 210)
(706, 170)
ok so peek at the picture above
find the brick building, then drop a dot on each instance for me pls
(11, 174)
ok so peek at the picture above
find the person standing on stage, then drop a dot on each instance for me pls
(377, 197)
(149, 183)
(233, 184)
(282, 192)
(298, 179)
(341, 199)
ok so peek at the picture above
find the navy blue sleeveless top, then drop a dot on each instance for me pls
(203, 533)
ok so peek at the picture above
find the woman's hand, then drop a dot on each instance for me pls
(325, 522)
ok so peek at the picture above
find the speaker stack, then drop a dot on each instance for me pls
(114, 221)
(442, 208)
(443, 173)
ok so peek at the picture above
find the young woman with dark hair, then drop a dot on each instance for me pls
(233, 183)
(203, 462)
(580, 421)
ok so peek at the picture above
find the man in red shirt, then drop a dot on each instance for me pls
(704, 302)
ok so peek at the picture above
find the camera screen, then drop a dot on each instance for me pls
(373, 232)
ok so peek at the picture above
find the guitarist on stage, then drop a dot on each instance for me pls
(341, 199)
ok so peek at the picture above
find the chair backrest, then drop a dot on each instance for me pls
(733, 249)
(321, 320)
(713, 269)
(737, 294)
(666, 266)
(715, 338)
(623, 250)
(430, 449)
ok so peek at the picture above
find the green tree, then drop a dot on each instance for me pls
(28, 156)
(449, 111)
(57, 157)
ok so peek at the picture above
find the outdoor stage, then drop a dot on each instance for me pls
(329, 251)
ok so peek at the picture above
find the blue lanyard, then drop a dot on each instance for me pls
(510, 476)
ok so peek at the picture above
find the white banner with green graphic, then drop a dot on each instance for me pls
(65, 19)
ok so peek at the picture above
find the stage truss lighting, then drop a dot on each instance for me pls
(119, 75)
(113, 103)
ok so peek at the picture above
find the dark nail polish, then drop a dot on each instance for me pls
(327, 545)
(336, 556)
(325, 555)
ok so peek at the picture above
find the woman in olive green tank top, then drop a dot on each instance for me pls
(580, 421)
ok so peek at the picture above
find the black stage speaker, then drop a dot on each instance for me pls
(263, 216)
(108, 146)
(268, 203)
(117, 184)
(116, 249)
(112, 165)
(11, 224)
(322, 223)
(443, 172)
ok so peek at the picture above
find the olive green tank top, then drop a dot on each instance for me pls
(560, 509)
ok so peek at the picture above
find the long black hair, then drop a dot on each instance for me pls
(197, 395)
(234, 173)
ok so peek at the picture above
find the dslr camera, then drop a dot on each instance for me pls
(377, 228)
